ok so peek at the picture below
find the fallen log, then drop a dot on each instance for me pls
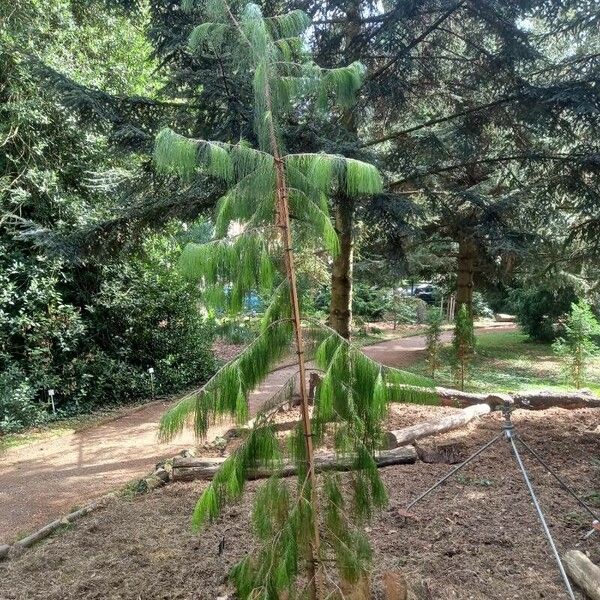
(583, 572)
(408, 435)
(189, 469)
(527, 400)
(49, 529)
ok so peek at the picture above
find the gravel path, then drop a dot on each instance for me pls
(42, 481)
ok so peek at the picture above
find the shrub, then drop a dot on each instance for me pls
(92, 334)
(407, 310)
(539, 309)
(577, 346)
(18, 405)
(370, 302)
(153, 315)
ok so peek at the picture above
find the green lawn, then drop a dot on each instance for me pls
(507, 361)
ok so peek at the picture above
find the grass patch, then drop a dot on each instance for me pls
(39, 434)
(506, 361)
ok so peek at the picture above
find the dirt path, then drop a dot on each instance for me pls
(42, 481)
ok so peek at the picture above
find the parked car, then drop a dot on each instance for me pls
(428, 292)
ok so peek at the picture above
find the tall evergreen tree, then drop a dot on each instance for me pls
(512, 116)
(265, 187)
(466, 105)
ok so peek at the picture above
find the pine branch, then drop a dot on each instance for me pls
(416, 41)
(255, 360)
(444, 119)
(565, 157)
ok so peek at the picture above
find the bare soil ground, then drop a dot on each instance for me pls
(476, 538)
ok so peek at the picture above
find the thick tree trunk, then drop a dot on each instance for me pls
(467, 256)
(188, 469)
(340, 312)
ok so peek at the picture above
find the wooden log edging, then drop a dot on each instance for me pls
(6, 550)
(190, 469)
(408, 435)
(583, 572)
(538, 400)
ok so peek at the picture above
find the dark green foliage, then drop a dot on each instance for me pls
(538, 309)
(463, 346)
(368, 301)
(577, 345)
(89, 330)
(19, 405)
(509, 161)
(94, 340)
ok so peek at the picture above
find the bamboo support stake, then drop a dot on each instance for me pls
(283, 222)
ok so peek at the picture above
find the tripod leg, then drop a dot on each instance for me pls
(455, 470)
(542, 519)
(554, 474)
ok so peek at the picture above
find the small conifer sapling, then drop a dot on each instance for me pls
(463, 346)
(307, 529)
(577, 346)
(433, 336)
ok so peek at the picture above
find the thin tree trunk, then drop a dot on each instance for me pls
(467, 254)
(284, 226)
(340, 310)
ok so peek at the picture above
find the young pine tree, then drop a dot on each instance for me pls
(310, 526)
(578, 346)
(463, 346)
(433, 335)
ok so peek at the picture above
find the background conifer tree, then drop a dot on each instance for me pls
(577, 345)
(265, 187)
(435, 320)
(463, 346)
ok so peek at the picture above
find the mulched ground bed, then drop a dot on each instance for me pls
(476, 538)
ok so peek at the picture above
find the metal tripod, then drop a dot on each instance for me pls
(509, 434)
